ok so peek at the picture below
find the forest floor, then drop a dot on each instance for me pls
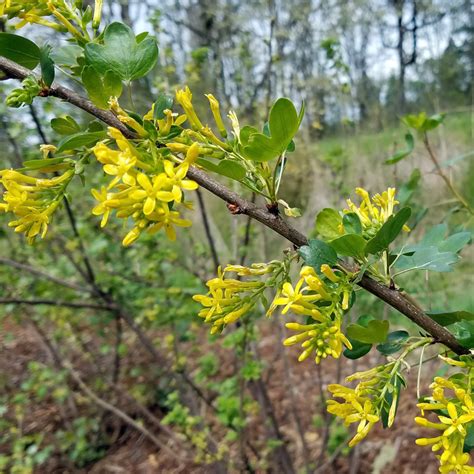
(383, 452)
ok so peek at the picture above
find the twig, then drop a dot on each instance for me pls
(67, 304)
(40, 273)
(207, 229)
(445, 178)
(389, 295)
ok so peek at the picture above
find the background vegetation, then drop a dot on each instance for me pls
(145, 388)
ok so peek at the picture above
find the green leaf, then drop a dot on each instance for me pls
(47, 65)
(376, 331)
(328, 223)
(455, 243)
(65, 125)
(464, 332)
(394, 342)
(399, 155)
(388, 232)
(80, 140)
(445, 318)
(469, 440)
(67, 55)
(351, 223)
(122, 54)
(359, 349)
(392, 396)
(19, 49)
(283, 123)
(428, 258)
(349, 245)
(406, 190)
(229, 168)
(37, 164)
(316, 253)
(101, 87)
(163, 102)
(422, 123)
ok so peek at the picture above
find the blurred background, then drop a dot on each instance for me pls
(131, 381)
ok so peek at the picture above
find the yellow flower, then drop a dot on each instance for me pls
(32, 200)
(101, 209)
(167, 219)
(373, 213)
(116, 163)
(176, 179)
(325, 302)
(228, 299)
(294, 299)
(324, 339)
(455, 414)
(214, 103)
(151, 192)
(184, 98)
(356, 408)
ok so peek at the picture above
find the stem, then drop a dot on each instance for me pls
(445, 178)
(391, 296)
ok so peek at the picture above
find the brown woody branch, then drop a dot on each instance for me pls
(393, 297)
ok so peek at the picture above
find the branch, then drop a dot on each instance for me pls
(391, 296)
(67, 304)
(40, 273)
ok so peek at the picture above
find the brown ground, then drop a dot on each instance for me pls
(383, 452)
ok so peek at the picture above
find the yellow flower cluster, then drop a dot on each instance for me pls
(201, 132)
(324, 300)
(452, 402)
(36, 11)
(149, 191)
(229, 299)
(32, 200)
(364, 403)
(373, 213)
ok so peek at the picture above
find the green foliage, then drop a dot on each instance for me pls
(230, 169)
(328, 223)
(47, 65)
(80, 140)
(464, 332)
(122, 53)
(393, 343)
(20, 50)
(349, 245)
(401, 154)
(445, 318)
(317, 253)
(162, 103)
(388, 232)
(283, 123)
(100, 87)
(373, 332)
(435, 252)
(422, 123)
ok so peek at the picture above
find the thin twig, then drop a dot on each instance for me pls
(389, 295)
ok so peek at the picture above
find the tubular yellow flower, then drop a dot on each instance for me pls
(150, 188)
(214, 103)
(32, 200)
(356, 408)
(324, 339)
(373, 213)
(325, 302)
(101, 209)
(455, 414)
(97, 14)
(229, 299)
(184, 98)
